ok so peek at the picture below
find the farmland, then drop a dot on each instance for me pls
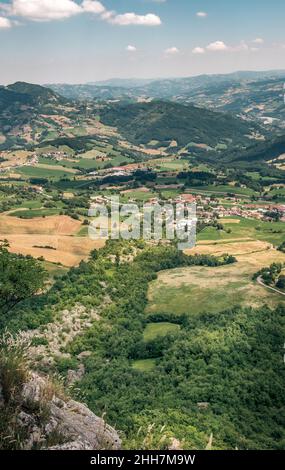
(246, 228)
(53, 237)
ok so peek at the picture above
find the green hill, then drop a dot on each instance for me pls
(166, 121)
(21, 93)
(22, 108)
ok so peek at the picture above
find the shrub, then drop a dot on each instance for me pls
(13, 365)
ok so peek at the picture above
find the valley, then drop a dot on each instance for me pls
(170, 346)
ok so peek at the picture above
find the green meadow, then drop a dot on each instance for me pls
(154, 330)
(247, 228)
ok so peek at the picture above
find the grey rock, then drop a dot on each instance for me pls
(77, 426)
(74, 445)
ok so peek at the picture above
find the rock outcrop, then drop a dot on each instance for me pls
(48, 420)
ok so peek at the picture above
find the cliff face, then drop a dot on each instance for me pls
(44, 419)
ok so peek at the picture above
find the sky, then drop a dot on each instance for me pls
(78, 41)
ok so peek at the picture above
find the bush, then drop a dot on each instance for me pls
(13, 365)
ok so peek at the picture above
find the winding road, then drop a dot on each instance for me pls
(259, 280)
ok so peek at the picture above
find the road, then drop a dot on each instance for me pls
(268, 287)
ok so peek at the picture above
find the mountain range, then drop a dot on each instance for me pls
(255, 95)
(32, 115)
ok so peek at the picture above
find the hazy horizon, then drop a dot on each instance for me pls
(81, 41)
(148, 79)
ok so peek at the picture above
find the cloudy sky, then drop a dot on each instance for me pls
(77, 41)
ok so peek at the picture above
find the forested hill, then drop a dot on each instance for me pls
(212, 373)
(21, 103)
(166, 121)
(21, 93)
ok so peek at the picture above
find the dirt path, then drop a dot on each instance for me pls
(269, 287)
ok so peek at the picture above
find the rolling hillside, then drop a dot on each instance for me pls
(166, 121)
(257, 95)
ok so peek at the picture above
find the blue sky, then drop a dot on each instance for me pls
(76, 41)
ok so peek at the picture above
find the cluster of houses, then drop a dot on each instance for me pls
(209, 209)
(56, 155)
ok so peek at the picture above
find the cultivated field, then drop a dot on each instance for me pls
(53, 238)
(55, 225)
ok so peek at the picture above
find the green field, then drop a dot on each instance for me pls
(30, 214)
(247, 228)
(171, 165)
(197, 290)
(83, 232)
(170, 193)
(35, 172)
(154, 330)
(144, 365)
(223, 189)
(138, 195)
(34, 204)
(87, 162)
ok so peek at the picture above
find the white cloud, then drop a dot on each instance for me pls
(201, 14)
(198, 50)
(130, 48)
(172, 51)
(5, 23)
(258, 41)
(217, 46)
(43, 10)
(127, 19)
(47, 10)
(107, 15)
(92, 6)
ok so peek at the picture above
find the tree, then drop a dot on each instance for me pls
(281, 282)
(20, 278)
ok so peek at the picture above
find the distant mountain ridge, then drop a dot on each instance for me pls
(166, 87)
(256, 95)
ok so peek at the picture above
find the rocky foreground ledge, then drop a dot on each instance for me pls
(45, 419)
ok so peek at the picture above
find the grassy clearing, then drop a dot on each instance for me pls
(154, 330)
(144, 365)
(195, 290)
(55, 270)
